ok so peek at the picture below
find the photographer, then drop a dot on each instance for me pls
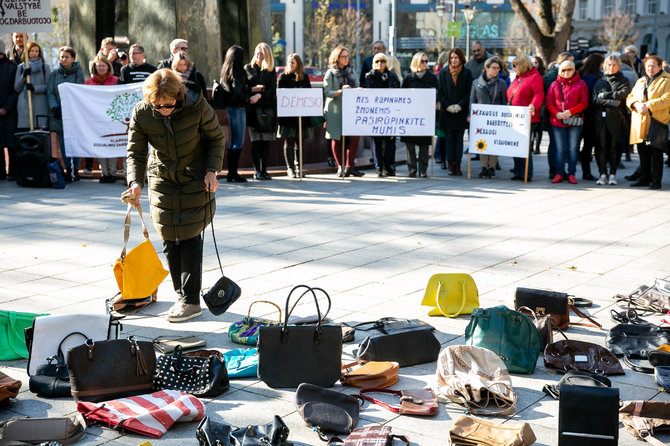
(109, 49)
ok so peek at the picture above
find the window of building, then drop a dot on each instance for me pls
(608, 7)
(583, 4)
(630, 6)
(652, 6)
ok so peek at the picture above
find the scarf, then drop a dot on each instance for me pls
(455, 71)
(186, 74)
(36, 65)
(101, 78)
(420, 74)
(345, 76)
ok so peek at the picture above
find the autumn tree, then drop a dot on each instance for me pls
(551, 30)
(344, 30)
(318, 27)
(618, 30)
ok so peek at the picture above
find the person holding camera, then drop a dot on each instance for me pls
(109, 49)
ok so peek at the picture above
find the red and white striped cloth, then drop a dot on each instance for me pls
(151, 414)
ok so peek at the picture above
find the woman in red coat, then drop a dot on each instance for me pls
(526, 90)
(567, 98)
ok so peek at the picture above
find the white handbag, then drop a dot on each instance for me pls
(49, 331)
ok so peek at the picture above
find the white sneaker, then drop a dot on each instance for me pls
(602, 180)
(612, 180)
(182, 311)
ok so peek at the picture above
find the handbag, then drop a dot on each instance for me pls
(138, 272)
(406, 348)
(148, 414)
(327, 410)
(63, 430)
(166, 344)
(509, 334)
(200, 376)
(242, 363)
(660, 361)
(391, 325)
(225, 291)
(92, 378)
(246, 330)
(12, 338)
(555, 304)
(654, 298)
(576, 378)
(289, 356)
(370, 374)
(642, 419)
(588, 416)
(9, 387)
(56, 174)
(451, 295)
(265, 120)
(477, 432)
(475, 378)
(412, 402)
(636, 341)
(211, 433)
(545, 325)
(573, 120)
(657, 136)
(566, 355)
(370, 436)
(52, 380)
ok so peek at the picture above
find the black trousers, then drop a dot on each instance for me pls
(651, 164)
(185, 265)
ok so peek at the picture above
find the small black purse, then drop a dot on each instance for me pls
(199, 376)
(211, 433)
(265, 118)
(51, 380)
(406, 348)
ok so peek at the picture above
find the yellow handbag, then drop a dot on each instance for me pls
(139, 272)
(451, 295)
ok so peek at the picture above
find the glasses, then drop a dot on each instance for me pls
(380, 61)
(161, 107)
(424, 60)
(183, 48)
(568, 70)
(344, 56)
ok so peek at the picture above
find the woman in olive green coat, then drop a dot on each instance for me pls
(186, 150)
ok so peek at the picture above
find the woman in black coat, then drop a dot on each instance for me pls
(381, 77)
(610, 118)
(454, 84)
(420, 77)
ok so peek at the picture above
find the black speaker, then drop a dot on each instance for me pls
(33, 151)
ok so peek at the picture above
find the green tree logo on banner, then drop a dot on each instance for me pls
(121, 110)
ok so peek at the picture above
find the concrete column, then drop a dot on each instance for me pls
(152, 24)
(82, 32)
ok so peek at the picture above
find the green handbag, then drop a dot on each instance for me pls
(12, 338)
(509, 334)
(246, 331)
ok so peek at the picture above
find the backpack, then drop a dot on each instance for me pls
(221, 95)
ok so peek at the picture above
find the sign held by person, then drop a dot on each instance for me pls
(299, 102)
(25, 16)
(502, 130)
(388, 112)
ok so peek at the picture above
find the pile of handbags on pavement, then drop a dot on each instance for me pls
(146, 393)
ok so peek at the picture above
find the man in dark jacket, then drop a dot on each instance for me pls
(479, 56)
(176, 46)
(138, 69)
(8, 116)
(378, 47)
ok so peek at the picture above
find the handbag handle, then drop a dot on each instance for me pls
(266, 302)
(177, 354)
(60, 350)
(316, 301)
(638, 368)
(442, 310)
(126, 228)
(363, 395)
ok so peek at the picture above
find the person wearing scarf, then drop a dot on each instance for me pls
(649, 99)
(182, 65)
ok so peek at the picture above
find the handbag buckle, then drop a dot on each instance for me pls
(541, 311)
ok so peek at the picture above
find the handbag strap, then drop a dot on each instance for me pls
(580, 313)
(363, 395)
(126, 228)
(265, 302)
(316, 301)
(60, 350)
(642, 426)
(211, 223)
(463, 299)
(638, 368)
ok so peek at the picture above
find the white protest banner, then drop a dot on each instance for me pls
(499, 130)
(388, 112)
(96, 118)
(30, 16)
(299, 102)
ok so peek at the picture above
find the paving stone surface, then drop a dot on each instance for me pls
(372, 243)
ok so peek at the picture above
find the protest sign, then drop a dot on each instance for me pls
(31, 16)
(499, 130)
(388, 112)
(96, 118)
(299, 102)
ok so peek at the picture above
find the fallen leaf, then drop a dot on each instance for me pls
(574, 268)
(512, 262)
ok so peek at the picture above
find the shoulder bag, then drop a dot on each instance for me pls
(642, 419)
(63, 430)
(93, 379)
(246, 330)
(291, 355)
(200, 375)
(212, 433)
(391, 325)
(451, 295)
(588, 416)
(370, 374)
(576, 378)
(412, 402)
(406, 348)
(572, 120)
(470, 431)
(568, 354)
(657, 136)
(327, 410)
(555, 304)
(265, 120)
(509, 334)
(633, 341)
(370, 436)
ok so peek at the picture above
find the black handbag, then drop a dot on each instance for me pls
(657, 137)
(265, 119)
(406, 348)
(289, 356)
(555, 304)
(327, 410)
(211, 433)
(588, 416)
(199, 376)
(51, 380)
(224, 292)
(391, 325)
(636, 341)
(576, 378)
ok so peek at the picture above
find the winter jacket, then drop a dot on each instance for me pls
(72, 75)
(38, 97)
(488, 91)
(268, 100)
(658, 99)
(111, 80)
(630, 74)
(527, 89)
(428, 80)
(132, 73)
(8, 98)
(611, 87)
(183, 147)
(333, 106)
(237, 92)
(377, 79)
(476, 66)
(287, 80)
(449, 93)
(575, 98)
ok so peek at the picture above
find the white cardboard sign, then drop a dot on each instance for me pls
(502, 130)
(388, 112)
(299, 102)
(32, 16)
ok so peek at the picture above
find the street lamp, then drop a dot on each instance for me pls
(468, 13)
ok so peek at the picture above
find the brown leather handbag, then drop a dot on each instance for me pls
(477, 432)
(370, 374)
(412, 402)
(9, 387)
(555, 304)
(567, 355)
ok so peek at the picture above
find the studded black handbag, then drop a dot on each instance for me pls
(199, 376)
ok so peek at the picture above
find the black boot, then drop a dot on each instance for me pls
(233, 162)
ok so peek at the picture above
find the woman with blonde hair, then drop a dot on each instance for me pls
(339, 76)
(182, 65)
(420, 77)
(262, 77)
